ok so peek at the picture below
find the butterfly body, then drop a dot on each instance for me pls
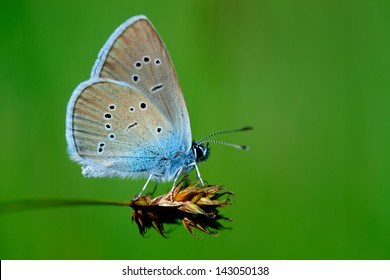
(130, 118)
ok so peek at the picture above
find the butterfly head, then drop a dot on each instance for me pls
(201, 148)
(201, 151)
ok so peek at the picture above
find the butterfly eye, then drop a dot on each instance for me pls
(146, 59)
(135, 78)
(157, 61)
(107, 115)
(138, 65)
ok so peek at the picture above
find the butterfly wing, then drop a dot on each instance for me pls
(115, 130)
(135, 54)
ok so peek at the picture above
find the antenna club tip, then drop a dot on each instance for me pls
(247, 128)
(245, 148)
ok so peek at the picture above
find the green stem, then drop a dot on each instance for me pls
(6, 207)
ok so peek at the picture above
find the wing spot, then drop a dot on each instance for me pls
(111, 107)
(138, 65)
(157, 61)
(131, 109)
(107, 116)
(156, 88)
(135, 78)
(146, 59)
(100, 148)
(158, 129)
(108, 126)
(130, 126)
(143, 105)
(111, 136)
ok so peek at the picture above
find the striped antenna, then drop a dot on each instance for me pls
(240, 147)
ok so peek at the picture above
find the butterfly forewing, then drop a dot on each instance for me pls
(117, 129)
(135, 54)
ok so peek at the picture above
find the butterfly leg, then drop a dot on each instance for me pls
(174, 182)
(144, 187)
(198, 174)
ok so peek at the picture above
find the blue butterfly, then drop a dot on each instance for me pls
(130, 118)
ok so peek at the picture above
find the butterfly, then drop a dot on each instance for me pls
(130, 118)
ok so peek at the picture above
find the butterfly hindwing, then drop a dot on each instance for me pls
(113, 129)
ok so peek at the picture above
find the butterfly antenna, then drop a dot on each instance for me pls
(240, 147)
(224, 132)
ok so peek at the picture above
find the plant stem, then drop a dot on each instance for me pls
(7, 207)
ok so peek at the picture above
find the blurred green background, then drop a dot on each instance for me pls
(312, 77)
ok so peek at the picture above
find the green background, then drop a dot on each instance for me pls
(312, 78)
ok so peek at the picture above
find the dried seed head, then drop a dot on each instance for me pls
(195, 207)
